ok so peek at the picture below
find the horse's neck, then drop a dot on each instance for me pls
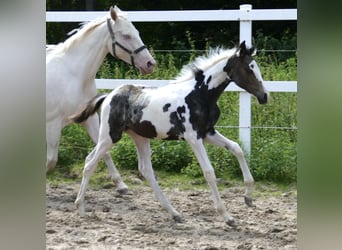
(87, 55)
(215, 76)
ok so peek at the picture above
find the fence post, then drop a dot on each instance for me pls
(245, 98)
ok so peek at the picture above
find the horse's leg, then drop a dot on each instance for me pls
(209, 174)
(221, 141)
(53, 136)
(90, 165)
(145, 168)
(92, 126)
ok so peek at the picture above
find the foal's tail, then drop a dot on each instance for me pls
(92, 106)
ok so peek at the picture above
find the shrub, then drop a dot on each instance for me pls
(170, 155)
(274, 158)
(124, 154)
(74, 146)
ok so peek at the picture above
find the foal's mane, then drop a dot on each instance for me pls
(213, 56)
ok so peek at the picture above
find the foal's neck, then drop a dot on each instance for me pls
(215, 76)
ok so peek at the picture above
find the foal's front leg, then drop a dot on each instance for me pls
(209, 174)
(221, 141)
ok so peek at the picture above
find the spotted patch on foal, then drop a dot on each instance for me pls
(126, 111)
(177, 119)
(166, 107)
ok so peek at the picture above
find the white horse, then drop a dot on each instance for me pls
(70, 73)
(185, 110)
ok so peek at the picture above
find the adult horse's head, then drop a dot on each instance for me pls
(126, 43)
(244, 71)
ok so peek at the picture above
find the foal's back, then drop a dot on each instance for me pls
(151, 112)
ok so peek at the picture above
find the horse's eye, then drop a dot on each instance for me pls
(251, 66)
(127, 37)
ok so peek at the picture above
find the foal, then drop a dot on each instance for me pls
(185, 110)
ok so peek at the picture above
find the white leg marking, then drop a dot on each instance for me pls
(91, 163)
(92, 126)
(145, 168)
(221, 141)
(208, 171)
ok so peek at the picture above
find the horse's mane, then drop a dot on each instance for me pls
(76, 35)
(213, 56)
(81, 32)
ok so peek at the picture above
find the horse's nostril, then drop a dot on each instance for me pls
(150, 64)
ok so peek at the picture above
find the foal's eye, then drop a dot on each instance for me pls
(127, 37)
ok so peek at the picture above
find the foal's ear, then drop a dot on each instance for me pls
(253, 51)
(242, 49)
(114, 12)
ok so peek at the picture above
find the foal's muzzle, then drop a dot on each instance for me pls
(263, 99)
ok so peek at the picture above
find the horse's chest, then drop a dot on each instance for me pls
(203, 113)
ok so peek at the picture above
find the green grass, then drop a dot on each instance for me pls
(170, 181)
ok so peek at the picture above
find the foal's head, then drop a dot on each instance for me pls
(244, 71)
(127, 44)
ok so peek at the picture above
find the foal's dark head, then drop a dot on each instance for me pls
(244, 71)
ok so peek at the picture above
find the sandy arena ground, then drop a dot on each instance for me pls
(136, 220)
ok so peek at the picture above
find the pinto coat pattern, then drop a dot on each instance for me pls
(185, 109)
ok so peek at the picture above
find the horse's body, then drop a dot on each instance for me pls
(70, 75)
(184, 110)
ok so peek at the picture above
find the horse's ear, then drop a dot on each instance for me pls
(113, 12)
(117, 9)
(242, 49)
(253, 51)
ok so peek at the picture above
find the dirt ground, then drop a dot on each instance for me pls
(136, 220)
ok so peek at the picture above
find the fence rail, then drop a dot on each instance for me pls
(245, 15)
(271, 86)
(179, 16)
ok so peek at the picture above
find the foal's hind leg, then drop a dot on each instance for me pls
(92, 126)
(221, 141)
(145, 168)
(90, 165)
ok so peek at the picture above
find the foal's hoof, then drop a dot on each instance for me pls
(77, 202)
(80, 207)
(178, 219)
(122, 191)
(249, 201)
(231, 222)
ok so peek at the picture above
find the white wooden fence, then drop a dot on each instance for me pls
(245, 15)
